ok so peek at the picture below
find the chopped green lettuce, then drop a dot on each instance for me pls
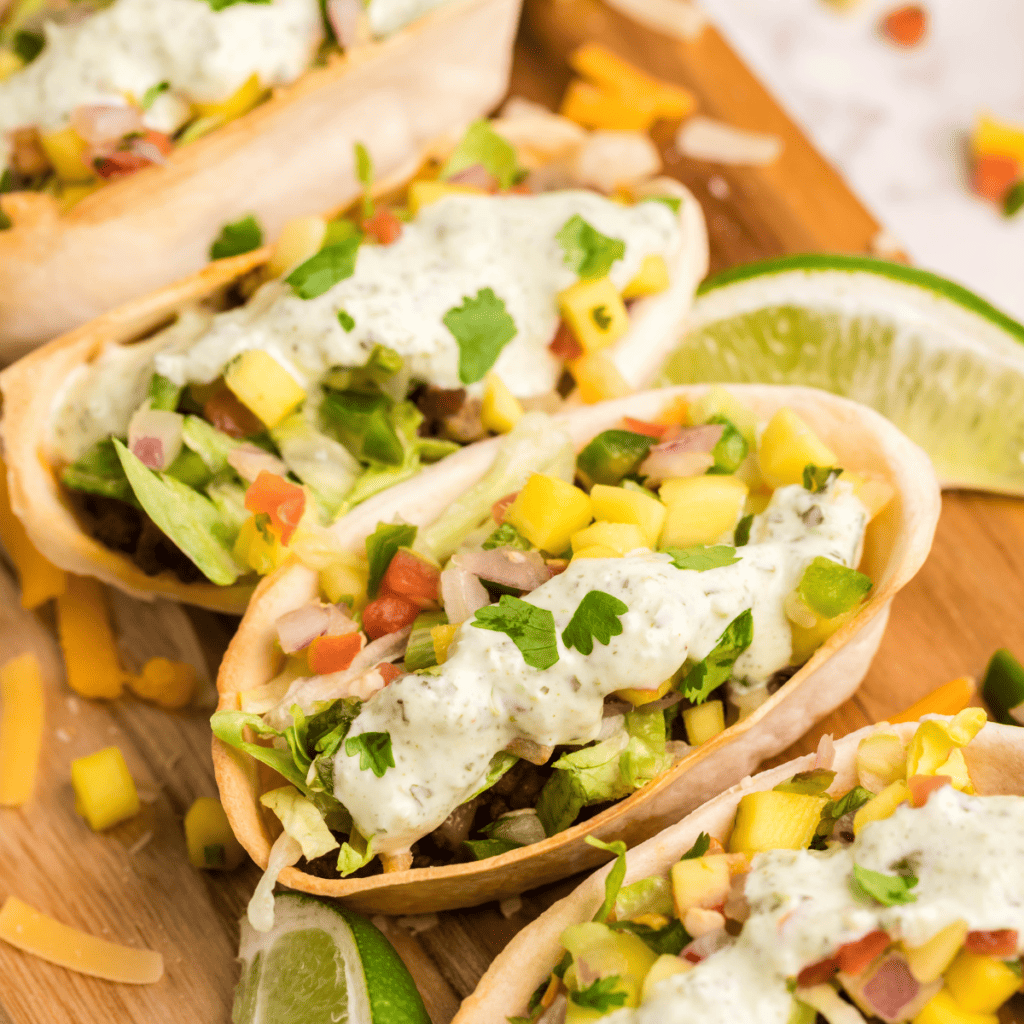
(213, 446)
(326, 467)
(647, 896)
(613, 881)
(354, 854)
(302, 820)
(99, 471)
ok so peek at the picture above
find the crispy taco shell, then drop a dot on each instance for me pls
(897, 541)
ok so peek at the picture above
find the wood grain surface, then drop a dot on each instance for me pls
(141, 891)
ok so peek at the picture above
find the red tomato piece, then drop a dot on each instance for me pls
(389, 671)
(328, 654)
(280, 499)
(124, 162)
(922, 786)
(564, 344)
(412, 578)
(388, 614)
(855, 956)
(993, 176)
(1002, 943)
(906, 25)
(384, 227)
(655, 430)
(227, 413)
(819, 973)
(500, 508)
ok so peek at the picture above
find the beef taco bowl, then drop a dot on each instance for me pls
(588, 658)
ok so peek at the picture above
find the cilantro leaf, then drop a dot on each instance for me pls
(587, 251)
(702, 557)
(530, 628)
(613, 883)
(364, 172)
(817, 478)
(242, 236)
(346, 320)
(715, 669)
(853, 801)
(742, 535)
(595, 618)
(381, 546)
(28, 45)
(323, 271)
(1012, 203)
(482, 327)
(672, 202)
(670, 939)
(889, 890)
(700, 846)
(150, 95)
(374, 750)
(602, 995)
(484, 146)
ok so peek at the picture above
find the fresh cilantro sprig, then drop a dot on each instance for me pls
(323, 271)
(613, 883)
(346, 321)
(482, 327)
(889, 890)
(234, 239)
(150, 95)
(586, 250)
(596, 618)
(742, 535)
(703, 557)
(530, 628)
(715, 669)
(701, 845)
(374, 750)
(381, 547)
(817, 478)
(484, 146)
(602, 995)
(668, 940)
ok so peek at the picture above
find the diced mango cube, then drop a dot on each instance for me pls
(788, 445)
(212, 845)
(676, 411)
(171, 684)
(927, 962)
(942, 1008)
(548, 511)
(807, 639)
(881, 805)
(956, 768)
(882, 757)
(598, 378)
(775, 821)
(619, 505)
(423, 193)
(700, 882)
(664, 967)
(21, 728)
(596, 551)
(105, 791)
(703, 721)
(651, 278)
(500, 410)
(66, 151)
(300, 240)
(620, 537)
(594, 312)
(980, 984)
(638, 697)
(10, 62)
(240, 102)
(997, 138)
(441, 637)
(701, 509)
(259, 547)
(346, 580)
(263, 386)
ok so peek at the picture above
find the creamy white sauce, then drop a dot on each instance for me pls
(445, 728)
(966, 852)
(387, 16)
(132, 45)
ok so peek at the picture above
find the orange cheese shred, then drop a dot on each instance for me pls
(948, 699)
(87, 640)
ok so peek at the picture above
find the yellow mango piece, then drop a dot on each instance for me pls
(593, 107)
(948, 699)
(617, 505)
(50, 940)
(651, 279)
(640, 697)
(104, 788)
(620, 537)
(807, 639)
(664, 967)
(600, 65)
(703, 721)
(171, 684)
(212, 845)
(345, 580)
(40, 579)
(300, 240)
(260, 549)
(928, 961)
(881, 805)
(980, 984)
(548, 511)
(594, 312)
(675, 411)
(66, 151)
(775, 821)
(942, 1008)
(87, 639)
(701, 509)
(423, 193)
(873, 492)
(240, 102)
(22, 709)
(992, 137)
(955, 767)
(787, 445)
(263, 386)
(700, 882)
(500, 410)
(598, 378)
(441, 637)
(10, 62)
(882, 757)
(596, 551)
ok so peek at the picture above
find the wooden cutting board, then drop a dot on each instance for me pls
(135, 885)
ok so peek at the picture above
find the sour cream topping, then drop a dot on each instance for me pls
(965, 851)
(445, 728)
(132, 45)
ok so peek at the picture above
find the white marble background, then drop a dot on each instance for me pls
(895, 122)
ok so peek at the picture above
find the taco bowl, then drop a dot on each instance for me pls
(41, 388)
(895, 545)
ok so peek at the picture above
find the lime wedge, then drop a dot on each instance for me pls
(941, 363)
(322, 964)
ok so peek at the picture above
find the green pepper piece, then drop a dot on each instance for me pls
(830, 588)
(812, 783)
(419, 651)
(612, 455)
(731, 449)
(1003, 686)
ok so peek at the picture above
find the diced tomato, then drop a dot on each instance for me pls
(388, 614)
(412, 578)
(522, 189)
(906, 25)
(564, 344)
(922, 786)
(993, 176)
(855, 956)
(819, 973)
(1002, 943)
(283, 501)
(124, 162)
(228, 414)
(656, 430)
(328, 654)
(500, 507)
(383, 226)
(389, 671)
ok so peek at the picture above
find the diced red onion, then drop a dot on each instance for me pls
(522, 570)
(105, 123)
(826, 754)
(248, 461)
(147, 150)
(891, 988)
(345, 16)
(530, 751)
(462, 594)
(703, 947)
(299, 628)
(476, 176)
(154, 437)
(687, 455)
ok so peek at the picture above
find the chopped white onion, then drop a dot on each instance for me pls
(248, 460)
(154, 436)
(523, 570)
(299, 628)
(101, 124)
(826, 753)
(462, 594)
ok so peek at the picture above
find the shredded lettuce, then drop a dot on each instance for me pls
(213, 446)
(647, 896)
(99, 471)
(326, 467)
(354, 854)
(302, 820)
(614, 879)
